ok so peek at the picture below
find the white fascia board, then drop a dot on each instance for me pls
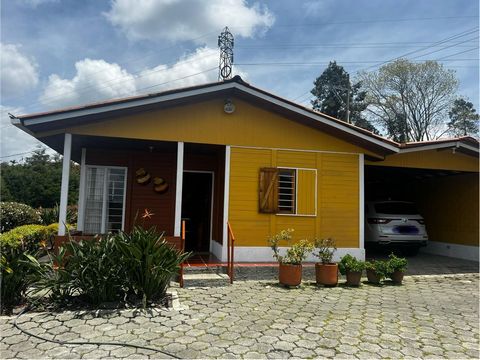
(18, 123)
(452, 144)
(127, 105)
(210, 89)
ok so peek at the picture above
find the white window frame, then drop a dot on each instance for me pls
(105, 193)
(296, 191)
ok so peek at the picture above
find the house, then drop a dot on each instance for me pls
(229, 152)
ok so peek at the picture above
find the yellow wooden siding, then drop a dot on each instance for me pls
(337, 200)
(450, 208)
(306, 192)
(431, 159)
(206, 122)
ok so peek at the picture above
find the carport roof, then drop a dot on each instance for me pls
(465, 144)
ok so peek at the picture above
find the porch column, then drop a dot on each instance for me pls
(62, 217)
(81, 191)
(178, 190)
(226, 198)
(361, 203)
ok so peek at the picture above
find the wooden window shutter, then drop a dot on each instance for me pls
(268, 191)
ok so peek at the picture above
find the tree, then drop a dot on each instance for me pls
(37, 180)
(410, 100)
(331, 92)
(463, 118)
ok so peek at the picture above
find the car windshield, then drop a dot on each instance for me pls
(396, 208)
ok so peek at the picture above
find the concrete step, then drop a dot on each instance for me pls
(205, 269)
(205, 279)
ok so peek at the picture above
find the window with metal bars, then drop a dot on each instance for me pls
(104, 199)
(286, 191)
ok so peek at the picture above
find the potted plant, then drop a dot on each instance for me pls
(352, 268)
(326, 272)
(396, 268)
(376, 271)
(290, 264)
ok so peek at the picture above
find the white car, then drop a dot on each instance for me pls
(396, 223)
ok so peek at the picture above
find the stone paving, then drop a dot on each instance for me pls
(427, 317)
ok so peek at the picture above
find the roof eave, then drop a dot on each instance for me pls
(26, 122)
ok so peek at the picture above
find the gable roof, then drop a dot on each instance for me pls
(78, 115)
(57, 119)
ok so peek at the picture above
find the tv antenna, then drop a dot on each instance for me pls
(225, 43)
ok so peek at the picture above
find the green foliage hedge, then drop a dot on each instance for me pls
(51, 215)
(138, 264)
(14, 214)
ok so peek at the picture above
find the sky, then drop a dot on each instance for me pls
(57, 53)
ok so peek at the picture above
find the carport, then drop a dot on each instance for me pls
(442, 178)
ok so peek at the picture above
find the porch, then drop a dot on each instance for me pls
(128, 182)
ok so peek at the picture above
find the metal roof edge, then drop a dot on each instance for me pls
(237, 83)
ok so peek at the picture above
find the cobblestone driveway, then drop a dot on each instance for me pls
(428, 317)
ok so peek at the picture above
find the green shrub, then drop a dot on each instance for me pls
(380, 267)
(14, 214)
(396, 264)
(109, 268)
(19, 270)
(350, 263)
(295, 254)
(150, 263)
(29, 237)
(325, 250)
(91, 269)
(18, 266)
(51, 215)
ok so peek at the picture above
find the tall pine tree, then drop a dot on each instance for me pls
(331, 91)
(463, 118)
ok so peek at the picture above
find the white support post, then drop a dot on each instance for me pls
(361, 202)
(226, 198)
(67, 152)
(81, 191)
(178, 190)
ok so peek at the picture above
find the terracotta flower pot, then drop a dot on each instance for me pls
(326, 274)
(397, 276)
(290, 275)
(373, 277)
(353, 278)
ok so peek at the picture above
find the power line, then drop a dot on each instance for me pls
(458, 53)
(118, 80)
(447, 39)
(184, 77)
(23, 153)
(446, 47)
(143, 57)
(326, 63)
(370, 21)
(345, 45)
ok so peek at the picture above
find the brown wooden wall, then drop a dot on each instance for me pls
(141, 197)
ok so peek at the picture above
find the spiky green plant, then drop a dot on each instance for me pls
(149, 261)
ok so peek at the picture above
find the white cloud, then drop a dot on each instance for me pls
(18, 73)
(13, 140)
(97, 80)
(177, 20)
(94, 80)
(202, 59)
